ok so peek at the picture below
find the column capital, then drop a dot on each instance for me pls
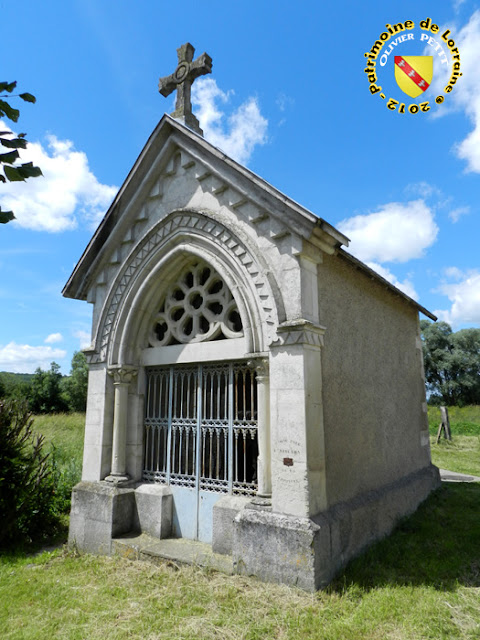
(261, 366)
(122, 374)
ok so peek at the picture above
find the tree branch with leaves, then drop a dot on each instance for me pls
(10, 170)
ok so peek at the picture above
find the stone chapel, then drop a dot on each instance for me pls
(252, 385)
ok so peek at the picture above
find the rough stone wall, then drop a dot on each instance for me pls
(373, 392)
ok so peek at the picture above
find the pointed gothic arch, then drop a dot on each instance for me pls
(226, 296)
(183, 237)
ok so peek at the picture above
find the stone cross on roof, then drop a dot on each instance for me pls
(181, 79)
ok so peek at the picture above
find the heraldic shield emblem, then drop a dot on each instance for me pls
(413, 74)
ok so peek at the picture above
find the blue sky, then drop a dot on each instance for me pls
(288, 97)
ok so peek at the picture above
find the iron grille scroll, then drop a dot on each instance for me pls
(201, 427)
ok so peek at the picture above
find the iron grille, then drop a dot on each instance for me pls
(201, 427)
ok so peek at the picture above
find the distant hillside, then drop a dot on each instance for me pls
(19, 377)
(8, 380)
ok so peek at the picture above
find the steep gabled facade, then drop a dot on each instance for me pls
(251, 384)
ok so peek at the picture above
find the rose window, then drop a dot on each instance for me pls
(197, 308)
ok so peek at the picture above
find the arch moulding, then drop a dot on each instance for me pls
(154, 263)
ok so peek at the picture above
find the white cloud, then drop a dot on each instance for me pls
(466, 92)
(457, 213)
(84, 338)
(469, 149)
(54, 337)
(422, 190)
(284, 101)
(237, 134)
(23, 358)
(406, 286)
(454, 273)
(397, 232)
(67, 194)
(464, 294)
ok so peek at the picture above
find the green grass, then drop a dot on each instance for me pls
(423, 582)
(63, 430)
(462, 454)
(64, 434)
(464, 421)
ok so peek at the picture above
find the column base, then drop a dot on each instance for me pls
(261, 503)
(117, 480)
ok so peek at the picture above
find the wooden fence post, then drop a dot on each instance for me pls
(444, 425)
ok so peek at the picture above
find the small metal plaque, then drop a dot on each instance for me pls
(288, 462)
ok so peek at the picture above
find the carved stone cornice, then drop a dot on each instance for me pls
(299, 332)
(123, 374)
(90, 354)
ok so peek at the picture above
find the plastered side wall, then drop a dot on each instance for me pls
(373, 392)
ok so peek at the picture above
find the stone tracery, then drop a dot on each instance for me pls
(197, 308)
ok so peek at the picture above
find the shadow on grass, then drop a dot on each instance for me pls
(438, 546)
(27, 549)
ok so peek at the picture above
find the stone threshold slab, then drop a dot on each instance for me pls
(453, 476)
(135, 546)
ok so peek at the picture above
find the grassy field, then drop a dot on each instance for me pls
(423, 582)
(464, 421)
(63, 433)
(462, 454)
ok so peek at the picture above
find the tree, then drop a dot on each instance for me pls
(75, 387)
(466, 345)
(9, 170)
(46, 393)
(452, 364)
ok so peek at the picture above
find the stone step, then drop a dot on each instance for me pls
(453, 476)
(141, 546)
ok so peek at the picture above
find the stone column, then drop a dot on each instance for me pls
(264, 466)
(122, 377)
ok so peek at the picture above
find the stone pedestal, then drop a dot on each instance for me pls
(99, 513)
(283, 549)
(225, 511)
(154, 507)
(308, 552)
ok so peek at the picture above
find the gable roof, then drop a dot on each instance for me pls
(306, 223)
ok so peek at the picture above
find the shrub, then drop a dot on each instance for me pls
(28, 509)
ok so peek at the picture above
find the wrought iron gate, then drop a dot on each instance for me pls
(201, 427)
